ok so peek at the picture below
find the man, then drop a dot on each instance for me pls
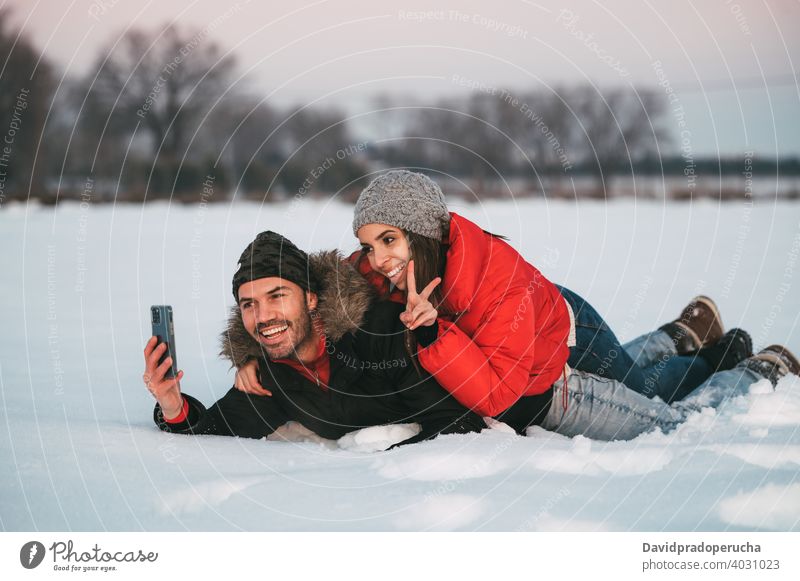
(329, 356)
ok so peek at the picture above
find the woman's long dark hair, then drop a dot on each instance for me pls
(429, 257)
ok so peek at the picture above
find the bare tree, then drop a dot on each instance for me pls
(540, 123)
(26, 90)
(461, 137)
(533, 133)
(247, 132)
(322, 151)
(613, 129)
(158, 84)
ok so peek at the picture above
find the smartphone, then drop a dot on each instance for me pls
(163, 328)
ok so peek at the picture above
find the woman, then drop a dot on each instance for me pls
(491, 328)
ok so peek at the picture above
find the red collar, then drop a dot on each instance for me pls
(318, 371)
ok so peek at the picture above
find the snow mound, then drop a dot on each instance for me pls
(588, 457)
(442, 513)
(204, 495)
(377, 438)
(764, 455)
(770, 507)
(780, 407)
(493, 424)
(298, 433)
(449, 465)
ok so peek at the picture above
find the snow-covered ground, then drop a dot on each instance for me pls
(80, 452)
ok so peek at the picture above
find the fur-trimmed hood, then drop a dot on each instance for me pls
(341, 306)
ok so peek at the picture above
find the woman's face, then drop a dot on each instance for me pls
(387, 250)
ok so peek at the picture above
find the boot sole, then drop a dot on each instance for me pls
(775, 360)
(793, 366)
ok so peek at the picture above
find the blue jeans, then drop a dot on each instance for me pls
(648, 365)
(604, 409)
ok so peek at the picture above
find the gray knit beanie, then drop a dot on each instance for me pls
(403, 199)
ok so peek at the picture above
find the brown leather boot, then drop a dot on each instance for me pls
(780, 358)
(698, 326)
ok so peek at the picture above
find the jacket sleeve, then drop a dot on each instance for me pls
(491, 370)
(434, 409)
(236, 414)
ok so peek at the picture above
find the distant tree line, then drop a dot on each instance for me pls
(162, 112)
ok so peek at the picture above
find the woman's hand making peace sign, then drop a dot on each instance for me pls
(419, 310)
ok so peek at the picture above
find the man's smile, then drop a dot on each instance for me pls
(273, 334)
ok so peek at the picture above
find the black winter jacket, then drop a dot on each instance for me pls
(372, 382)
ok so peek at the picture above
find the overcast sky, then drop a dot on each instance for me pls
(731, 63)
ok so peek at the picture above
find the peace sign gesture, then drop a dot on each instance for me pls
(419, 310)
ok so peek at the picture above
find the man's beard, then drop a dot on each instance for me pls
(299, 331)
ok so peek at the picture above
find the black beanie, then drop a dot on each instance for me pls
(270, 254)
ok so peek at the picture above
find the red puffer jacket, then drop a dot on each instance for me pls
(505, 332)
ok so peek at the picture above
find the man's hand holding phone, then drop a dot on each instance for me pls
(167, 391)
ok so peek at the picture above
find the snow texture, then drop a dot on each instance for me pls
(80, 450)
